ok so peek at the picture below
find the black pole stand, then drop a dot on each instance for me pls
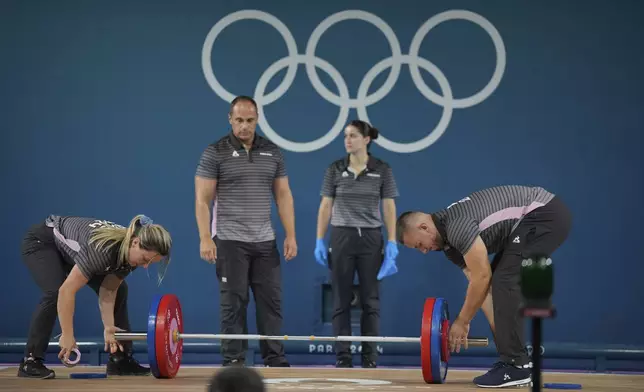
(536, 353)
(537, 311)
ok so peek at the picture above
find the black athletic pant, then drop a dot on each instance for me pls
(49, 271)
(241, 265)
(352, 250)
(540, 232)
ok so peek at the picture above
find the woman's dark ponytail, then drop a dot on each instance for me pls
(373, 133)
(365, 130)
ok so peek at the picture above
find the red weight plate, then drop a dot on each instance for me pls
(425, 341)
(169, 321)
(445, 340)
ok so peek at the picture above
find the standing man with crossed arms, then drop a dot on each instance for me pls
(244, 171)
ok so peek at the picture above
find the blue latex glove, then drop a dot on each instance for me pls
(388, 268)
(321, 253)
(391, 250)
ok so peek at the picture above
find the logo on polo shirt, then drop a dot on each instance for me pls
(235, 153)
(268, 154)
(373, 175)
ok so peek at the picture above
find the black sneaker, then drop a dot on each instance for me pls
(278, 362)
(232, 362)
(344, 363)
(34, 368)
(504, 375)
(125, 365)
(368, 363)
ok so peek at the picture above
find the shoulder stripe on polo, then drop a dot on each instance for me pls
(492, 213)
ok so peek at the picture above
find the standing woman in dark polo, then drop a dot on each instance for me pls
(352, 191)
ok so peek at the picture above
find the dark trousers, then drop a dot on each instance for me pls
(355, 250)
(241, 265)
(541, 232)
(49, 271)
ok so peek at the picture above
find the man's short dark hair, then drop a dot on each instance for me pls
(403, 223)
(237, 379)
(242, 98)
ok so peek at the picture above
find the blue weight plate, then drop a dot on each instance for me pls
(439, 365)
(151, 339)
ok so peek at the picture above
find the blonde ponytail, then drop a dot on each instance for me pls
(130, 232)
(153, 237)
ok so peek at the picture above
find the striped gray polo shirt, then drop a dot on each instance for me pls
(72, 239)
(357, 196)
(492, 213)
(244, 193)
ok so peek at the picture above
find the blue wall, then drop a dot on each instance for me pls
(106, 110)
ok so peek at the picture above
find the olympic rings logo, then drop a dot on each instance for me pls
(362, 100)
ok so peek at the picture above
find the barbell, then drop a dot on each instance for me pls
(165, 338)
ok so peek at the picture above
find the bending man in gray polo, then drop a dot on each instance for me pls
(244, 171)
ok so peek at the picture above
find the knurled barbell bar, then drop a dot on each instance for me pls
(165, 338)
